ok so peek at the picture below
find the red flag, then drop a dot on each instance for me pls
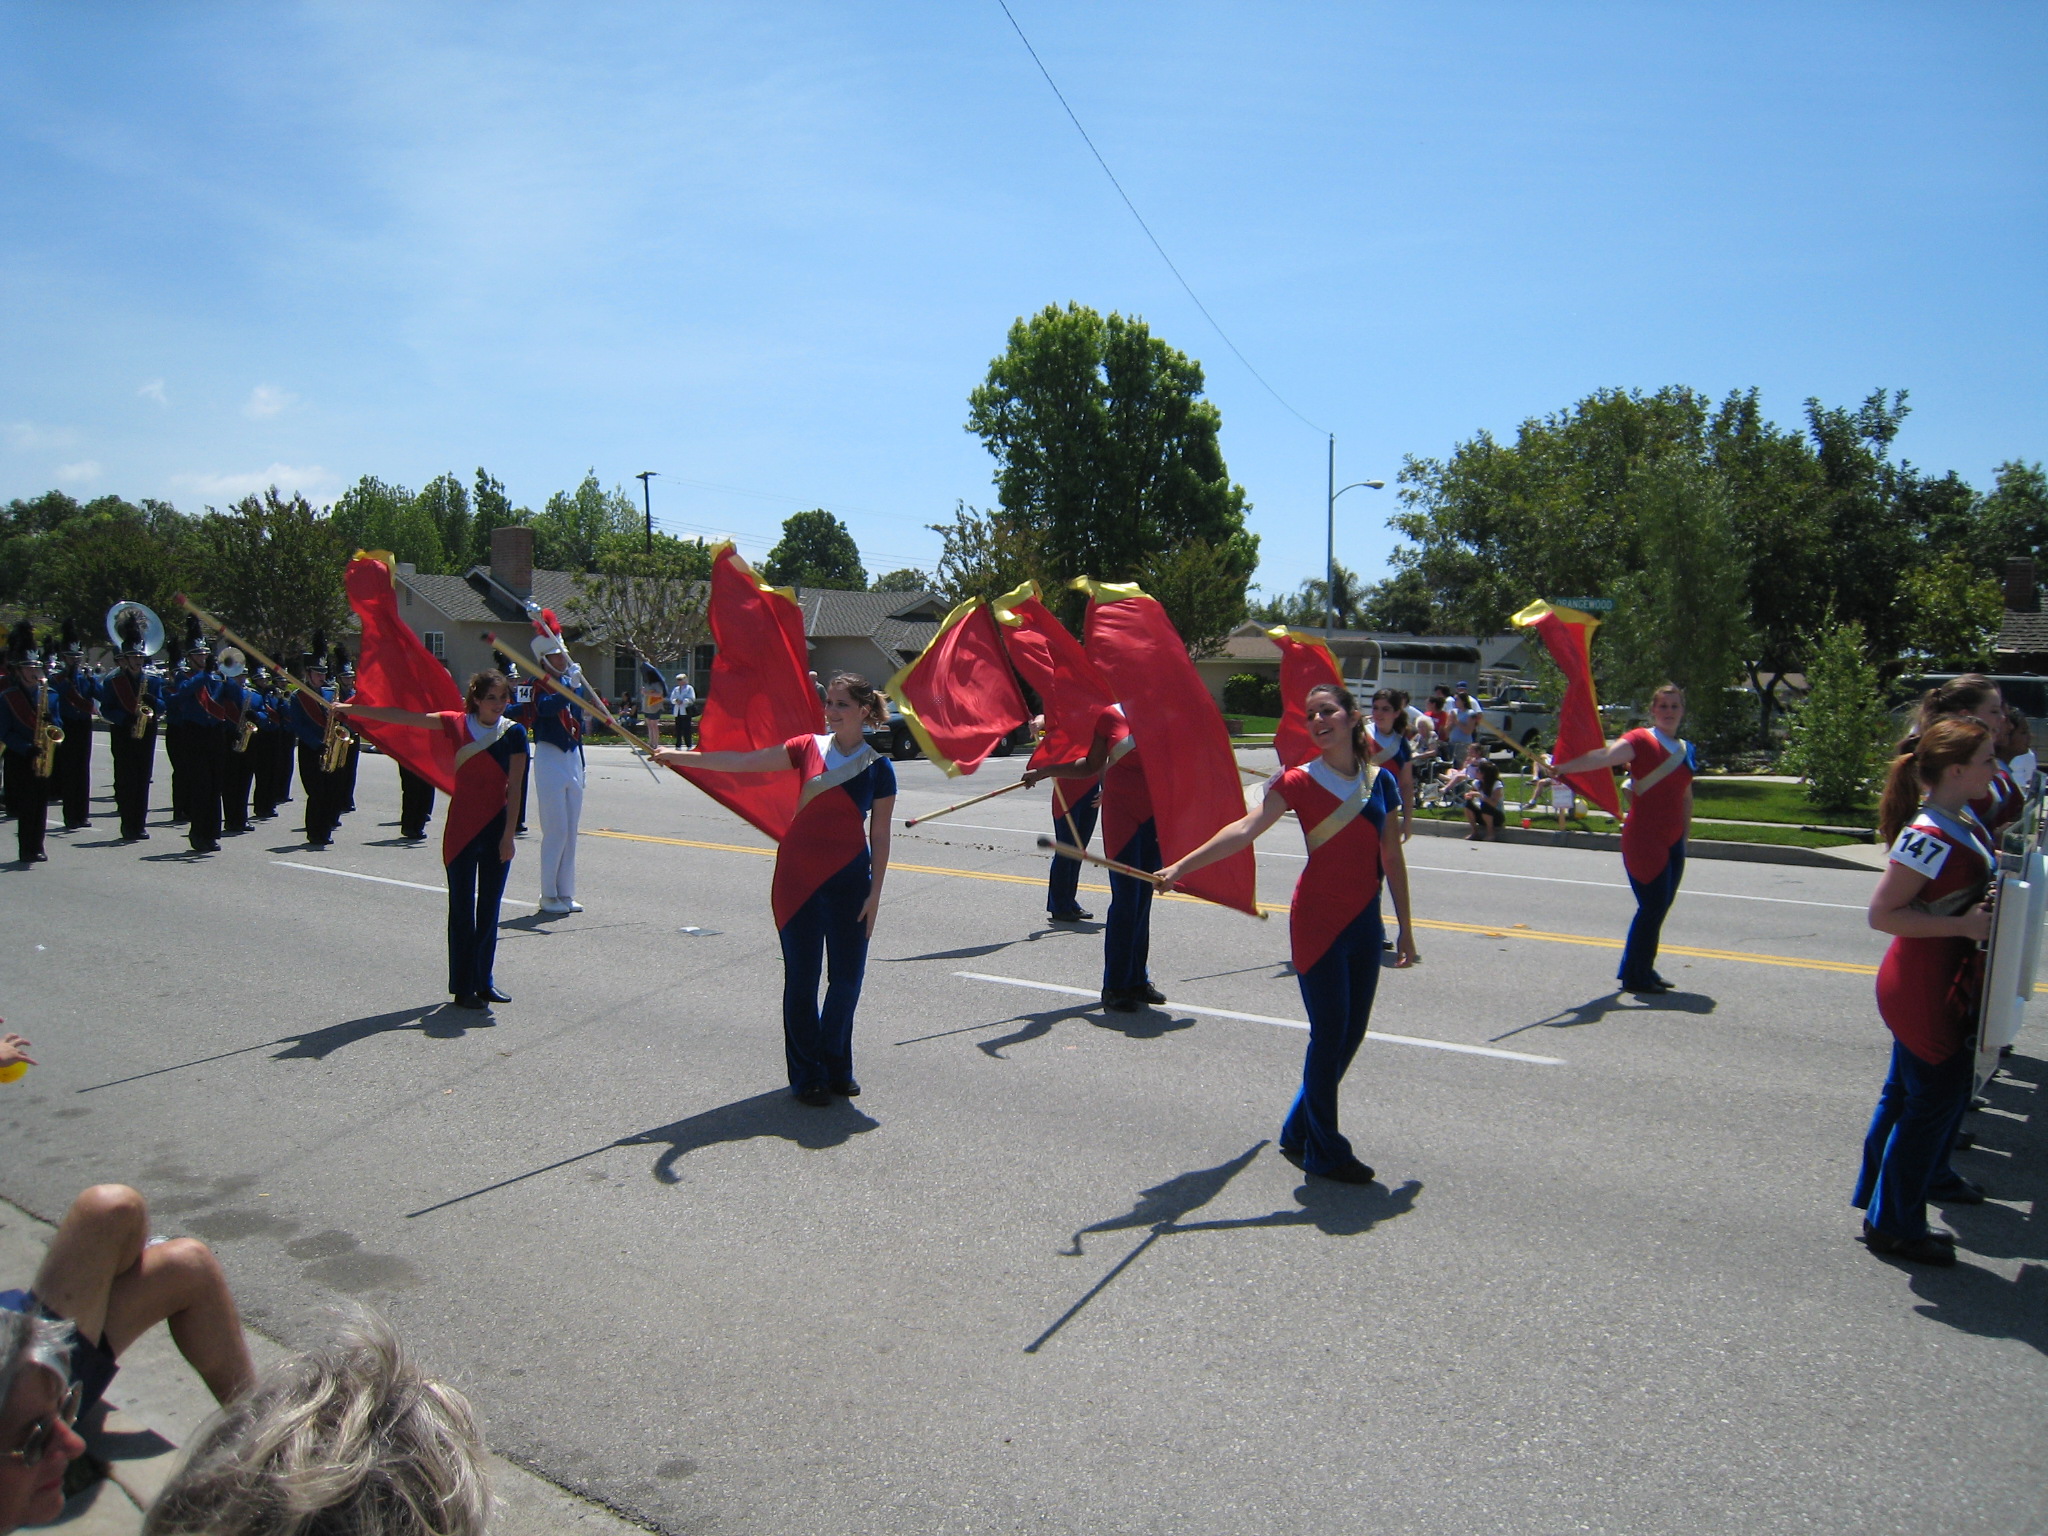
(396, 671)
(1182, 742)
(1568, 636)
(960, 697)
(760, 693)
(1069, 688)
(1305, 663)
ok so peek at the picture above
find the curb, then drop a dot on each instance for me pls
(1695, 848)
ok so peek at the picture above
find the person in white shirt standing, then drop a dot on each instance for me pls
(680, 698)
(556, 726)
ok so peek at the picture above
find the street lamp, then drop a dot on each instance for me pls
(1330, 547)
(647, 500)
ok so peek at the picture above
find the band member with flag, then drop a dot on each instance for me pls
(1345, 804)
(828, 876)
(479, 838)
(78, 697)
(556, 726)
(1931, 899)
(28, 710)
(1653, 837)
(128, 697)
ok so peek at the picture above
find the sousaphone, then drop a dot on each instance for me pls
(152, 627)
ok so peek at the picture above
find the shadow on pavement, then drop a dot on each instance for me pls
(437, 1021)
(2010, 1159)
(774, 1113)
(1616, 1002)
(976, 951)
(1164, 1204)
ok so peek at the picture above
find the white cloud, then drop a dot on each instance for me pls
(83, 472)
(154, 390)
(266, 401)
(27, 437)
(314, 482)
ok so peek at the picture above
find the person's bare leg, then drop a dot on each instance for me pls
(99, 1275)
(100, 1237)
(181, 1283)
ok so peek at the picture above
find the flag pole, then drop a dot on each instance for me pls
(1069, 851)
(594, 704)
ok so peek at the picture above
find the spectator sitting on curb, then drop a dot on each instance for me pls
(349, 1439)
(1481, 798)
(105, 1277)
(37, 1442)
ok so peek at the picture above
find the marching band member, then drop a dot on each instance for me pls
(1974, 696)
(124, 695)
(1075, 805)
(78, 697)
(178, 731)
(828, 878)
(1653, 837)
(343, 678)
(1345, 804)
(1931, 899)
(272, 745)
(556, 726)
(306, 714)
(1392, 749)
(1129, 831)
(478, 838)
(415, 804)
(203, 704)
(238, 763)
(27, 704)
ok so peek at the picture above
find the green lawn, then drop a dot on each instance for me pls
(1747, 800)
(1255, 725)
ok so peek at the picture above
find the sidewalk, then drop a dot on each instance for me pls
(156, 1404)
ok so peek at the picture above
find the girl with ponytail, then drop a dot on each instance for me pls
(1973, 696)
(1932, 901)
(1345, 804)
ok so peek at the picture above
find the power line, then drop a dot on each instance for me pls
(1120, 192)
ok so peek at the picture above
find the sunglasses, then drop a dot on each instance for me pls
(39, 1435)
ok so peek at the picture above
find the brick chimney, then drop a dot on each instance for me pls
(2022, 595)
(512, 560)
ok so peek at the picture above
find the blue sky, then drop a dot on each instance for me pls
(766, 250)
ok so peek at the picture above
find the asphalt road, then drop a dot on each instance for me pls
(1048, 1273)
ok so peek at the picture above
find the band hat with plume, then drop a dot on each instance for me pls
(129, 628)
(315, 657)
(547, 631)
(195, 634)
(72, 646)
(21, 644)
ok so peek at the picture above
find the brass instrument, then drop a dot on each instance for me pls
(334, 749)
(243, 735)
(49, 734)
(137, 631)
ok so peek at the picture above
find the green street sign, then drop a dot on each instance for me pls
(1585, 604)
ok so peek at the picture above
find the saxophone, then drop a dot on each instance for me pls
(244, 732)
(145, 714)
(334, 749)
(48, 735)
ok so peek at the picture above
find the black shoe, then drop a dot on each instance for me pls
(1928, 1248)
(36, 858)
(1353, 1172)
(140, 837)
(1294, 1155)
(495, 995)
(817, 1098)
(1652, 988)
(318, 842)
(206, 847)
(846, 1088)
(1957, 1190)
(1148, 994)
(470, 1000)
(1121, 1002)
(1077, 915)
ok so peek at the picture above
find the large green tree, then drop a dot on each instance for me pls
(375, 514)
(1107, 451)
(987, 552)
(816, 550)
(270, 568)
(569, 530)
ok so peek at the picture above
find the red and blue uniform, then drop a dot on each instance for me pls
(2001, 805)
(1927, 993)
(1075, 805)
(1653, 843)
(470, 839)
(1131, 837)
(1336, 939)
(823, 873)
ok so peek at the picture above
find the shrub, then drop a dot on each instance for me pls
(1837, 737)
(1247, 693)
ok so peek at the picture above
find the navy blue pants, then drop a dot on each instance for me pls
(1917, 1115)
(476, 881)
(1653, 901)
(1127, 935)
(1337, 991)
(1063, 884)
(826, 931)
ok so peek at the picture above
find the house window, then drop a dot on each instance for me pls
(625, 675)
(437, 643)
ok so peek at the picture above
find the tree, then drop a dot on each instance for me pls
(816, 551)
(108, 554)
(2013, 518)
(985, 553)
(271, 569)
(1106, 449)
(1837, 735)
(1198, 586)
(1953, 614)
(1308, 605)
(566, 531)
(490, 509)
(1399, 605)
(908, 579)
(372, 514)
(651, 602)
(446, 501)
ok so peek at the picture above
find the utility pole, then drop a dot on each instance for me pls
(1330, 545)
(647, 500)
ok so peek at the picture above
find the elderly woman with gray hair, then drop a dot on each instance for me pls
(37, 1404)
(349, 1439)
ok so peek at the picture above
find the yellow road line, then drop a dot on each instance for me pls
(1839, 967)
